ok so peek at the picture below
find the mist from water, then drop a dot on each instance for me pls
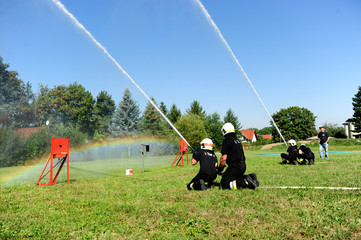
(97, 161)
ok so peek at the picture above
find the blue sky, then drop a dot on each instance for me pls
(296, 53)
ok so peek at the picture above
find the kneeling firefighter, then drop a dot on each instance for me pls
(208, 166)
(306, 154)
(233, 156)
(290, 157)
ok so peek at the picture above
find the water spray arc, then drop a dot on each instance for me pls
(79, 25)
(210, 20)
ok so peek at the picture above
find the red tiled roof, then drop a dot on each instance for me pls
(26, 132)
(248, 134)
(268, 136)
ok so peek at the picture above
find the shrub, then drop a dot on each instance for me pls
(17, 149)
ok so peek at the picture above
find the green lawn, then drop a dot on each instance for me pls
(103, 203)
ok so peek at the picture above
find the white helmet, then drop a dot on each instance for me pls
(227, 128)
(292, 142)
(207, 144)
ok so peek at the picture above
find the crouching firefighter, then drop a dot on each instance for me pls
(306, 154)
(208, 166)
(233, 156)
(290, 157)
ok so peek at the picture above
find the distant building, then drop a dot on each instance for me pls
(27, 132)
(267, 137)
(349, 130)
(249, 135)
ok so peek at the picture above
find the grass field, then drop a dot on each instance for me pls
(103, 203)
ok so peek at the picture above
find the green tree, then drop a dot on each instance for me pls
(103, 112)
(264, 131)
(151, 122)
(174, 114)
(213, 128)
(81, 106)
(192, 128)
(16, 99)
(42, 106)
(334, 130)
(294, 123)
(163, 108)
(232, 118)
(356, 102)
(72, 104)
(197, 109)
(127, 116)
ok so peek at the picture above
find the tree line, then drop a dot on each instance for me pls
(73, 112)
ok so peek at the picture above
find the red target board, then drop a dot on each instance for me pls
(59, 150)
(182, 149)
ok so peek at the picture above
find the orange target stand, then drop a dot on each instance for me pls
(59, 149)
(182, 149)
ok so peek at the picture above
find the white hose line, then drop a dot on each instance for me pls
(301, 187)
(79, 25)
(210, 20)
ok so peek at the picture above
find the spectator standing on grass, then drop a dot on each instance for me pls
(323, 137)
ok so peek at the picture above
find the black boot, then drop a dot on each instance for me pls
(294, 162)
(254, 177)
(190, 186)
(203, 185)
(250, 183)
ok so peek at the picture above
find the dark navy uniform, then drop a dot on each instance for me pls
(307, 155)
(291, 157)
(236, 162)
(208, 168)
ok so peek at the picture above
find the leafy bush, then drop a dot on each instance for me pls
(334, 130)
(12, 148)
(17, 149)
(37, 144)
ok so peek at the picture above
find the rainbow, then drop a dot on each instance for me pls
(29, 174)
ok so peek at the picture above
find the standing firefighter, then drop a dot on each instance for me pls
(208, 166)
(233, 156)
(290, 157)
(306, 154)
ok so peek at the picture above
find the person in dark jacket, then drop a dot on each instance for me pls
(233, 156)
(208, 166)
(290, 157)
(323, 137)
(306, 154)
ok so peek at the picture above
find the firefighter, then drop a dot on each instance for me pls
(306, 154)
(290, 157)
(233, 156)
(208, 166)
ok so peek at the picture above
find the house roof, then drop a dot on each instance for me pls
(27, 132)
(249, 133)
(268, 136)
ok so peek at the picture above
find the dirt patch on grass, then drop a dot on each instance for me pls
(269, 146)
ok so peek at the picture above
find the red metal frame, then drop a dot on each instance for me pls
(182, 149)
(59, 149)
